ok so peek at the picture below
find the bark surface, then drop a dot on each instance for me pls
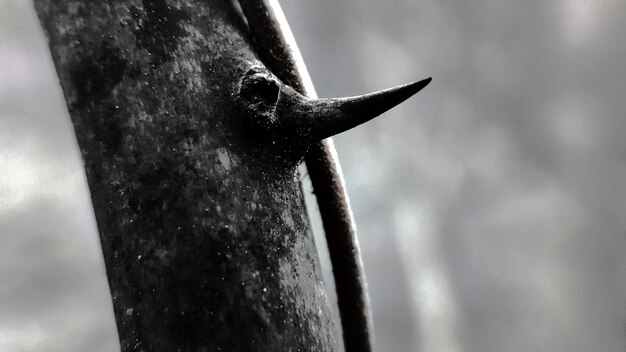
(202, 221)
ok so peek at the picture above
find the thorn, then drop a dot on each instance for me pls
(332, 116)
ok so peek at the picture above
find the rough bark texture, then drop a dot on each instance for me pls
(201, 218)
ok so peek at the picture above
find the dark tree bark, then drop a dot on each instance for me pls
(201, 217)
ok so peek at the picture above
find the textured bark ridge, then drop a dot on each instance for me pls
(201, 218)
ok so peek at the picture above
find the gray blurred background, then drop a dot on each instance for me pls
(491, 207)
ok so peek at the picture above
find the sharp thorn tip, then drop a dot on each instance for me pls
(337, 115)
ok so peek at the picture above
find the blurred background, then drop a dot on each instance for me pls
(490, 207)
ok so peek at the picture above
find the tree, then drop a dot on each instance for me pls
(191, 149)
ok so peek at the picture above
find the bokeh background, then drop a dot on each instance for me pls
(490, 208)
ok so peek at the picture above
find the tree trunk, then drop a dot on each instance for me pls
(203, 227)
